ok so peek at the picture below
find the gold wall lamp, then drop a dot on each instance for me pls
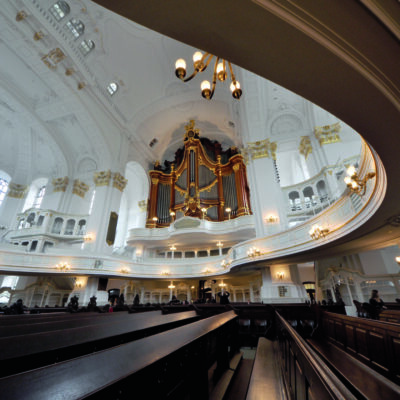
(355, 183)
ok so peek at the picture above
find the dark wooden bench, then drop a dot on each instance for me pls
(390, 316)
(363, 381)
(38, 349)
(169, 365)
(374, 343)
(21, 327)
(304, 374)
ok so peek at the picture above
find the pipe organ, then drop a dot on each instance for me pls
(202, 182)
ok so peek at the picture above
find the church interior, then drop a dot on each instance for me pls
(234, 156)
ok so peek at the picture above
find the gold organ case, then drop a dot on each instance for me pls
(203, 181)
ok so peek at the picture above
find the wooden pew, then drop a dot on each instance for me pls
(390, 316)
(304, 373)
(363, 352)
(169, 365)
(66, 322)
(43, 348)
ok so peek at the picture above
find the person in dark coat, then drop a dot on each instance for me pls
(223, 296)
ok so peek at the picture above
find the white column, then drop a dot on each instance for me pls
(13, 204)
(266, 288)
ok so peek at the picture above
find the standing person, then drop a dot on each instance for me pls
(223, 296)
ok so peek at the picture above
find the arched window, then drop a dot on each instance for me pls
(39, 197)
(69, 229)
(36, 193)
(322, 192)
(294, 200)
(3, 189)
(86, 47)
(57, 225)
(82, 227)
(76, 27)
(59, 10)
(308, 194)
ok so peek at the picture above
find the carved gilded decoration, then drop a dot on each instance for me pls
(305, 147)
(328, 134)
(80, 188)
(261, 149)
(102, 178)
(16, 191)
(119, 182)
(53, 58)
(142, 205)
(60, 184)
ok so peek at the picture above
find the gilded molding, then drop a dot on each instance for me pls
(154, 181)
(80, 188)
(119, 182)
(328, 134)
(53, 58)
(142, 205)
(260, 149)
(305, 147)
(16, 191)
(102, 178)
(236, 167)
(60, 184)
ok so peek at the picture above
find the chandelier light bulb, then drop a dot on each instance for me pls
(197, 56)
(180, 68)
(351, 171)
(235, 89)
(347, 180)
(206, 89)
(221, 73)
(354, 184)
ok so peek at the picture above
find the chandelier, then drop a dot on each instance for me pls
(355, 183)
(200, 63)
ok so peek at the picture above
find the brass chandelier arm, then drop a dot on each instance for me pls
(233, 79)
(200, 67)
(214, 81)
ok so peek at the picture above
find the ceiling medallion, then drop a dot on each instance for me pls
(200, 63)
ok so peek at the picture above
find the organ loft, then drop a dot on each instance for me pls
(203, 181)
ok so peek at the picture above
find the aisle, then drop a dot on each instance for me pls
(238, 388)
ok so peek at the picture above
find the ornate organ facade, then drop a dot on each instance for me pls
(202, 182)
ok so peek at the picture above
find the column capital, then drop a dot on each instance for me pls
(119, 182)
(102, 178)
(60, 184)
(80, 188)
(16, 190)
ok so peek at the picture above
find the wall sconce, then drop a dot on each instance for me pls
(280, 275)
(172, 248)
(271, 219)
(222, 284)
(228, 210)
(225, 264)
(253, 252)
(21, 15)
(355, 183)
(155, 219)
(171, 286)
(172, 215)
(125, 270)
(317, 232)
(219, 244)
(398, 260)
(63, 266)
(207, 271)
(89, 237)
(165, 273)
(204, 210)
(78, 284)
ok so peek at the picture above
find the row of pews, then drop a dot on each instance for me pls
(186, 351)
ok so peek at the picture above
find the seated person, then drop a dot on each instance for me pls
(377, 303)
(174, 301)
